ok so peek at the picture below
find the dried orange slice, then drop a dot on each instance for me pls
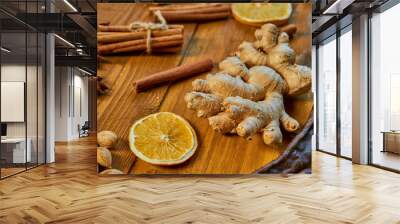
(257, 14)
(163, 139)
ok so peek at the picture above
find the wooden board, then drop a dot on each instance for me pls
(217, 153)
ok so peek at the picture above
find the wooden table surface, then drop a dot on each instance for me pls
(216, 153)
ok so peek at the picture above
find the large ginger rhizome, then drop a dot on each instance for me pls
(246, 96)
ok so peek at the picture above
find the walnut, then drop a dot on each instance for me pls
(111, 172)
(106, 139)
(104, 157)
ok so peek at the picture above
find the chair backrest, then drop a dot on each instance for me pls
(86, 125)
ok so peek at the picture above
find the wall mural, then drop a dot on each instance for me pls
(205, 88)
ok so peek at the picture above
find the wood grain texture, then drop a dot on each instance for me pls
(70, 191)
(217, 153)
(118, 110)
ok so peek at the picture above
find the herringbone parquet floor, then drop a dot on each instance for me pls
(71, 192)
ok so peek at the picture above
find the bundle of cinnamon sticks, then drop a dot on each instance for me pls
(200, 12)
(121, 38)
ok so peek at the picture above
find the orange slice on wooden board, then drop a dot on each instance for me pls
(257, 14)
(163, 138)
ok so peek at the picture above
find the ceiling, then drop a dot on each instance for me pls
(332, 15)
(39, 6)
(72, 20)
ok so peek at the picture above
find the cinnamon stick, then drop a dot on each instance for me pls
(165, 50)
(184, 6)
(126, 28)
(154, 46)
(104, 23)
(194, 13)
(125, 36)
(183, 71)
(214, 9)
(192, 17)
(125, 44)
(111, 33)
(115, 28)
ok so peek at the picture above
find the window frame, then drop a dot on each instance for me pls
(27, 29)
(381, 9)
(338, 34)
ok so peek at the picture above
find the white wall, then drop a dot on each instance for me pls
(80, 110)
(11, 73)
(62, 81)
(33, 127)
(12, 101)
(70, 84)
(15, 73)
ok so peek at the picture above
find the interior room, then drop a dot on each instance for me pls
(22, 100)
(72, 107)
(38, 108)
(50, 89)
(384, 88)
(335, 64)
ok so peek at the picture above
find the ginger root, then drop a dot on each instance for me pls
(246, 96)
(260, 80)
(205, 104)
(246, 118)
(272, 49)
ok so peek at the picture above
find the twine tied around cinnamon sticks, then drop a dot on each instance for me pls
(149, 27)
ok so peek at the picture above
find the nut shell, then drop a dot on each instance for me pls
(111, 172)
(104, 157)
(106, 139)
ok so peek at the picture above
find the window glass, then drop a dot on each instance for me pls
(346, 94)
(385, 89)
(314, 81)
(15, 150)
(327, 96)
(22, 90)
